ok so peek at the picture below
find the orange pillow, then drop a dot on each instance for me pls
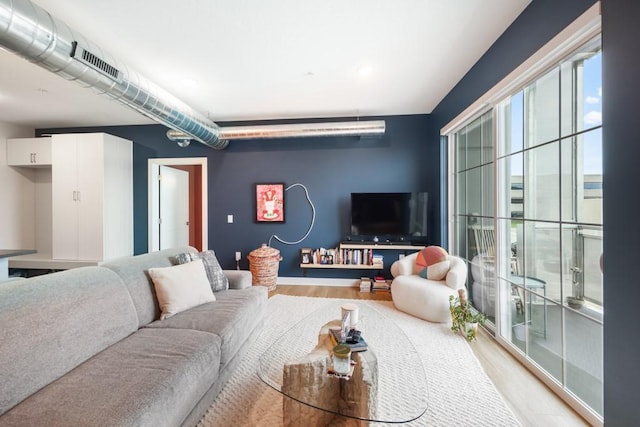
(432, 263)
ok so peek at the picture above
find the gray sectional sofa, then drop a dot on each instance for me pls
(84, 347)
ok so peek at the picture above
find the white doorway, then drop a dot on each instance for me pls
(164, 199)
(173, 207)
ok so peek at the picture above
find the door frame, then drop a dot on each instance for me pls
(153, 196)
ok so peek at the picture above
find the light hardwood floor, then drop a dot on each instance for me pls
(533, 403)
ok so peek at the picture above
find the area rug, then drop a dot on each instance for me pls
(459, 391)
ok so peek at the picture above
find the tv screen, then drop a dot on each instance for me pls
(389, 216)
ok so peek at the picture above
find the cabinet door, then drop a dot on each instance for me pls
(30, 152)
(79, 186)
(90, 149)
(64, 201)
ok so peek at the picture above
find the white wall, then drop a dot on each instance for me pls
(17, 195)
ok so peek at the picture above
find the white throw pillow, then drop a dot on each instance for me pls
(181, 287)
(217, 278)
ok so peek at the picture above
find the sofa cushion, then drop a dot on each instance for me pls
(181, 287)
(152, 378)
(217, 278)
(50, 324)
(233, 316)
(134, 273)
(239, 279)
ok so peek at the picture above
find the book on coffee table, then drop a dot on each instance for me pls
(335, 335)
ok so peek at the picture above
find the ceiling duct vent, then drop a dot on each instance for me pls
(83, 55)
(35, 34)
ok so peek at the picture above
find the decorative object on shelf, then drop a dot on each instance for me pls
(305, 255)
(269, 202)
(464, 319)
(263, 264)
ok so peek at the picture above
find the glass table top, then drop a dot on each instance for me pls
(400, 393)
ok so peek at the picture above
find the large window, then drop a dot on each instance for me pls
(528, 219)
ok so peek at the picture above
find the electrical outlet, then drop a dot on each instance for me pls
(238, 256)
(229, 219)
(400, 256)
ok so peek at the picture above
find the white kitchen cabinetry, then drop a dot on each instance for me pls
(92, 197)
(30, 152)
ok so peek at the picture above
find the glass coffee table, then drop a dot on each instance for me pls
(388, 384)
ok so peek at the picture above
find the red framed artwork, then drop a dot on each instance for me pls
(269, 202)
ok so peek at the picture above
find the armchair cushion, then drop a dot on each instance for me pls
(457, 275)
(405, 266)
(432, 263)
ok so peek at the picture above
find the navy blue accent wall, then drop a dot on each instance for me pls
(330, 168)
(621, 151)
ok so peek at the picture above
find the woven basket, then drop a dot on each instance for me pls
(264, 263)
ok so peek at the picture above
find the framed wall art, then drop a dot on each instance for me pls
(269, 202)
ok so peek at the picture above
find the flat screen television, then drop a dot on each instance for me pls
(391, 217)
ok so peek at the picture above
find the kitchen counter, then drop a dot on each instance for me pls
(4, 259)
(44, 261)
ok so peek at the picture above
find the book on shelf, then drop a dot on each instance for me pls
(365, 284)
(336, 337)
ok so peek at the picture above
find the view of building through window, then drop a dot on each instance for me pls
(528, 219)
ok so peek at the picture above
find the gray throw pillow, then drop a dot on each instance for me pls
(217, 278)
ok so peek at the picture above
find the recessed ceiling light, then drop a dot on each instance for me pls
(365, 70)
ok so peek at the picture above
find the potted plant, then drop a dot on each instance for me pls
(464, 319)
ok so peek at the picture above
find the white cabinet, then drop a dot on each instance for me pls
(31, 152)
(92, 197)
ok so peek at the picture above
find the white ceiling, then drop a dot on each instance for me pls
(275, 59)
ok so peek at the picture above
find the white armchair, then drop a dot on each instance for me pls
(424, 298)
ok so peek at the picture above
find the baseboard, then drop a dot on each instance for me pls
(318, 281)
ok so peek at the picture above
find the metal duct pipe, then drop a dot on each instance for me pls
(33, 33)
(358, 128)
